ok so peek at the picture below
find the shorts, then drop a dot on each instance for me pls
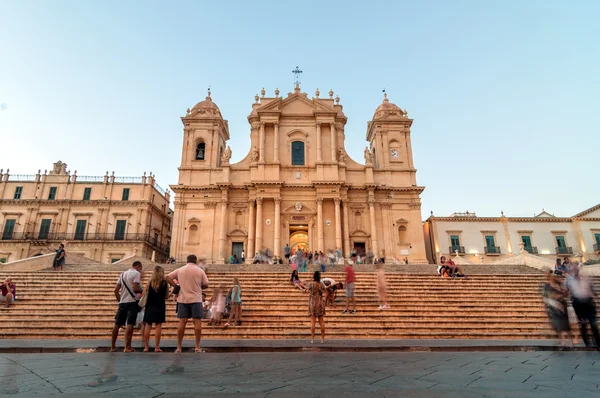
(287, 255)
(350, 290)
(189, 310)
(3, 298)
(58, 263)
(127, 314)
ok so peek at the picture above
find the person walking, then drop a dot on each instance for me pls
(192, 279)
(582, 292)
(155, 312)
(243, 256)
(286, 252)
(382, 288)
(236, 302)
(556, 307)
(59, 258)
(350, 279)
(128, 285)
(316, 306)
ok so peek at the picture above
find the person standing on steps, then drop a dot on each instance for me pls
(316, 306)
(236, 304)
(350, 279)
(582, 292)
(192, 279)
(157, 292)
(128, 285)
(382, 288)
(59, 258)
(286, 252)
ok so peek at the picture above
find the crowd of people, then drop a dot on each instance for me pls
(146, 306)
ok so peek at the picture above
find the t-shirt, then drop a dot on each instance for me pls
(129, 277)
(580, 288)
(286, 250)
(191, 278)
(349, 274)
(59, 252)
(328, 281)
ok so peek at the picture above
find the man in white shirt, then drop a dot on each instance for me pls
(192, 279)
(128, 285)
(582, 292)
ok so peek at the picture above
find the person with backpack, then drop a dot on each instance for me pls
(126, 290)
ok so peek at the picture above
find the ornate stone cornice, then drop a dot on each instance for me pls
(210, 204)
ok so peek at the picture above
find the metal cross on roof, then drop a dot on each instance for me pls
(296, 73)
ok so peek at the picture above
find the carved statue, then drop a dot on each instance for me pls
(59, 168)
(341, 156)
(226, 155)
(298, 206)
(368, 156)
(254, 155)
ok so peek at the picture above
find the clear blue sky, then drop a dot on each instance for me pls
(505, 94)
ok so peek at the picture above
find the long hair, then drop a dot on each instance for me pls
(157, 278)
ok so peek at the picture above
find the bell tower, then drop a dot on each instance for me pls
(388, 134)
(204, 138)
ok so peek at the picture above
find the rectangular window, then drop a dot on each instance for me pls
(114, 260)
(87, 192)
(597, 236)
(526, 239)
(52, 194)
(125, 194)
(455, 242)
(297, 153)
(156, 239)
(490, 241)
(9, 229)
(45, 228)
(80, 229)
(18, 192)
(560, 241)
(120, 230)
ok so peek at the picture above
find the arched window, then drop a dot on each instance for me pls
(297, 153)
(193, 234)
(200, 150)
(402, 235)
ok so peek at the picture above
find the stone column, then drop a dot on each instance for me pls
(373, 227)
(259, 224)
(261, 143)
(277, 239)
(319, 146)
(333, 143)
(251, 226)
(320, 224)
(276, 143)
(346, 231)
(223, 233)
(338, 225)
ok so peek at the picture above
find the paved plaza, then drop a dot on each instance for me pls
(306, 374)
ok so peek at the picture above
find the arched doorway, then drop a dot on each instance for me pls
(299, 237)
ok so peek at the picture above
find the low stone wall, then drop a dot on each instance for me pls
(45, 261)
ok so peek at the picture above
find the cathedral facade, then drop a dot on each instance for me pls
(297, 185)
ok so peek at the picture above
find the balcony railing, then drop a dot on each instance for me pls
(29, 236)
(159, 189)
(131, 180)
(22, 177)
(453, 249)
(492, 250)
(564, 250)
(597, 247)
(531, 249)
(90, 178)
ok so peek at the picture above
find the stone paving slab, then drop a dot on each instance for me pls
(306, 374)
(289, 345)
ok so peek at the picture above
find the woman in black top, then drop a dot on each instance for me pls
(157, 292)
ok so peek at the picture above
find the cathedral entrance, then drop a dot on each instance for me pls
(299, 237)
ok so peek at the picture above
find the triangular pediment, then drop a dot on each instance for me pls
(592, 212)
(296, 104)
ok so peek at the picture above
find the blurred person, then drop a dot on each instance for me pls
(582, 293)
(316, 307)
(350, 279)
(555, 299)
(236, 300)
(192, 279)
(382, 288)
(559, 268)
(155, 313)
(217, 306)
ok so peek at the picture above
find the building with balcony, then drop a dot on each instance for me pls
(104, 218)
(487, 239)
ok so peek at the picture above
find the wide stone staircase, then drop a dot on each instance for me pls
(81, 305)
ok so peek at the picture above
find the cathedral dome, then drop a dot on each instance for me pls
(388, 109)
(206, 107)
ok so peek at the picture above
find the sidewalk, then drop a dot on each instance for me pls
(246, 345)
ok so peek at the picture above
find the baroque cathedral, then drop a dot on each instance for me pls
(297, 185)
